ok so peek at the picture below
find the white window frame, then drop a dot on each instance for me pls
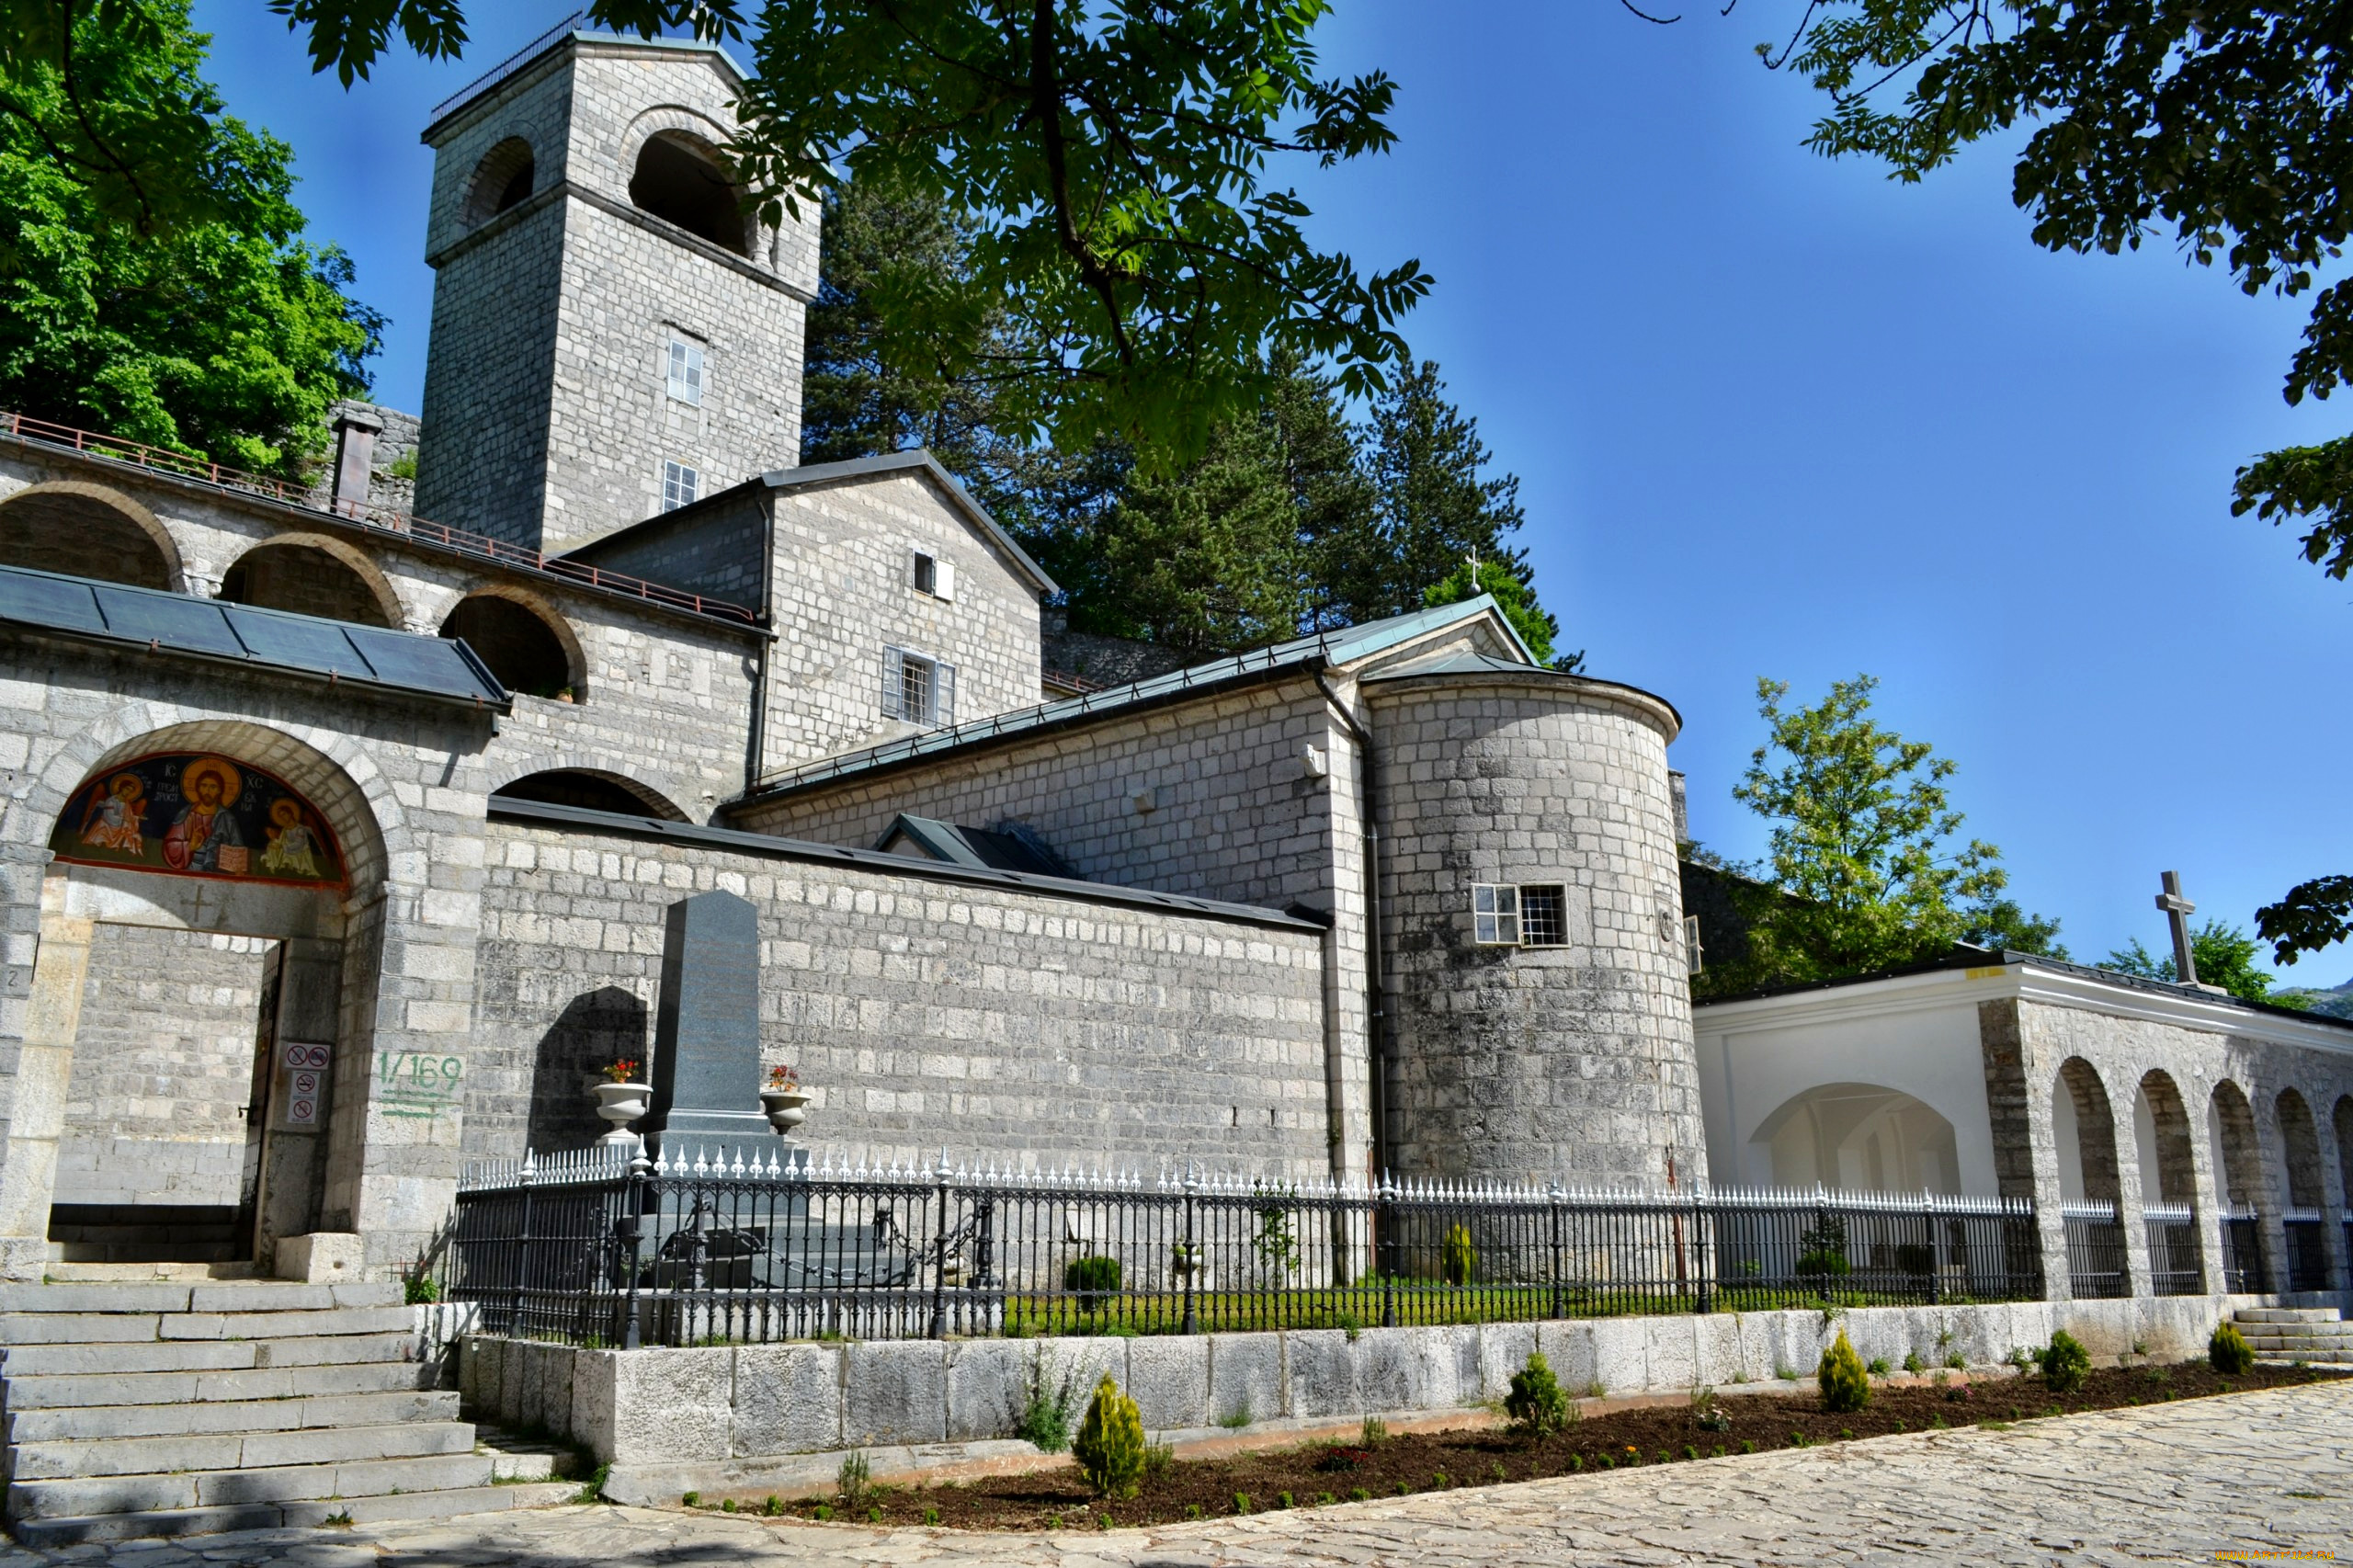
(934, 704)
(684, 372)
(1495, 915)
(681, 485)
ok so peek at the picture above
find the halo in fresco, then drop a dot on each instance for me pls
(195, 814)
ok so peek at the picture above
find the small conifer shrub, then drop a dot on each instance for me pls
(1845, 1386)
(2228, 1351)
(1092, 1279)
(1111, 1447)
(2065, 1363)
(1537, 1406)
(1458, 1258)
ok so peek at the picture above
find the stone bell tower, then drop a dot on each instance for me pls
(613, 336)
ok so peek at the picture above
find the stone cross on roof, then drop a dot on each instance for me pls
(2178, 911)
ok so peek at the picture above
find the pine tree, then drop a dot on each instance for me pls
(1433, 508)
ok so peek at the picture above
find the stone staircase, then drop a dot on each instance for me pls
(2317, 1335)
(182, 1407)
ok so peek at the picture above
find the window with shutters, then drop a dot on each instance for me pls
(934, 576)
(917, 689)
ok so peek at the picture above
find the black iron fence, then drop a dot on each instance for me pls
(2307, 1249)
(2173, 1268)
(2096, 1267)
(2243, 1270)
(594, 1252)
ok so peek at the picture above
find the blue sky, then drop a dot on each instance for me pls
(1771, 415)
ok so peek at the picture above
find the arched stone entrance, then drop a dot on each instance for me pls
(1864, 1137)
(2238, 1183)
(191, 1001)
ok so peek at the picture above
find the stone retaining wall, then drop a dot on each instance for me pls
(677, 1409)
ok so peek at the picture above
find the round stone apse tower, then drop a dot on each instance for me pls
(1540, 1013)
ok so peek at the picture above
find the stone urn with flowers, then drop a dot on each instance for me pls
(621, 1100)
(784, 1100)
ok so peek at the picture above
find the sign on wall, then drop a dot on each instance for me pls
(195, 814)
(297, 1101)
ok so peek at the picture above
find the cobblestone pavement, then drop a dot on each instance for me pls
(2264, 1476)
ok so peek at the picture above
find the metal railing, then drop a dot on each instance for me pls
(2095, 1253)
(586, 1249)
(2173, 1268)
(2307, 1249)
(381, 519)
(2242, 1271)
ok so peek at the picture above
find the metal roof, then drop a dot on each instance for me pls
(1321, 651)
(440, 669)
(972, 845)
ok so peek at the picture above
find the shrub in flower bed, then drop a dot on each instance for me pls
(1409, 1462)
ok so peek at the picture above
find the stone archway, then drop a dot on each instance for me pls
(525, 641)
(313, 574)
(1863, 1136)
(88, 530)
(2084, 1129)
(2238, 1181)
(2161, 1138)
(193, 926)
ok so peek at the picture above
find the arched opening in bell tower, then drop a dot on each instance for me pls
(679, 179)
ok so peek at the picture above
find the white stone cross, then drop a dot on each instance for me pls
(2177, 912)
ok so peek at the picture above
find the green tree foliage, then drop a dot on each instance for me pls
(2000, 924)
(1293, 519)
(1861, 873)
(1111, 1446)
(197, 319)
(1846, 1386)
(2225, 956)
(1515, 599)
(1122, 167)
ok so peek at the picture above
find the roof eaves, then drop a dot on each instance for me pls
(913, 459)
(768, 845)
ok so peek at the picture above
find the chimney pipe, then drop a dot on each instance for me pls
(355, 454)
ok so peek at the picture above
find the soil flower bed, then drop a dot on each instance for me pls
(1320, 1474)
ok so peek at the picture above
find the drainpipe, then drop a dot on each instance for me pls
(755, 743)
(1376, 984)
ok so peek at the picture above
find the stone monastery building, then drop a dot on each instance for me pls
(337, 843)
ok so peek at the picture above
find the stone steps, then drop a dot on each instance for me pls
(136, 1408)
(2313, 1335)
(309, 1514)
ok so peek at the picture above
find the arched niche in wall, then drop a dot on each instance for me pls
(2084, 1129)
(2343, 1117)
(503, 179)
(679, 178)
(529, 647)
(1860, 1137)
(2161, 1138)
(87, 530)
(2238, 1165)
(590, 789)
(313, 574)
(2298, 1150)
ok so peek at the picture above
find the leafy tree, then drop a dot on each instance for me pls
(2000, 924)
(1203, 561)
(1115, 165)
(2225, 956)
(1515, 599)
(197, 319)
(1861, 869)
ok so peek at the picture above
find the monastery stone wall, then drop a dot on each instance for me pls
(1526, 1063)
(163, 1068)
(843, 587)
(920, 1011)
(664, 700)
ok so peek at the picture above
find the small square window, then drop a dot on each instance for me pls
(686, 372)
(1543, 916)
(918, 689)
(679, 485)
(1495, 915)
(926, 573)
